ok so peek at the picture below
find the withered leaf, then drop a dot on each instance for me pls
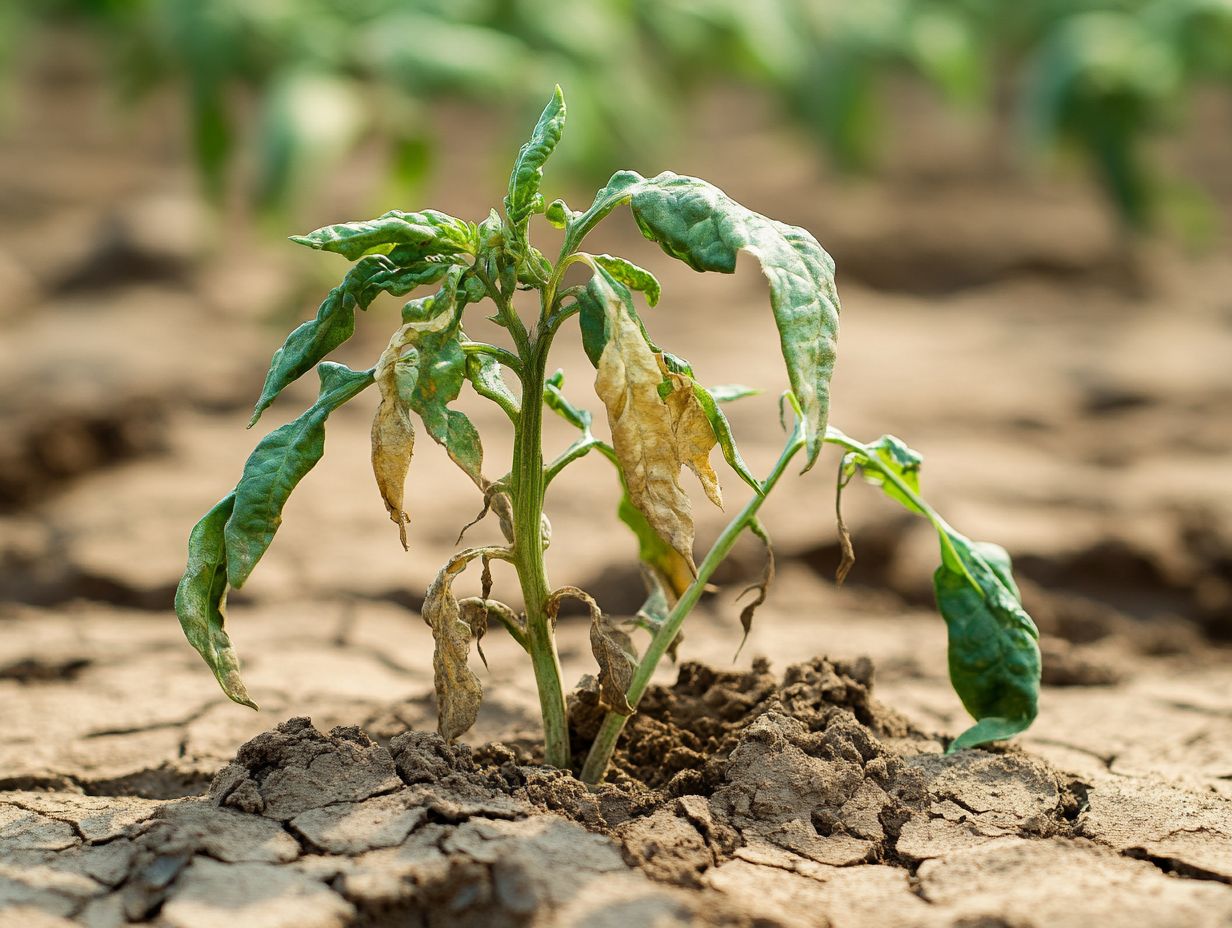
(611, 646)
(627, 382)
(393, 435)
(458, 690)
(761, 587)
(694, 439)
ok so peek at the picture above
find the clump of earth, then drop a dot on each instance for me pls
(735, 799)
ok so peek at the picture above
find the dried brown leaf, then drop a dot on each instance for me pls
(762, 586)
(458, 690)
(611, 646)
(393, 437)
(694, 438)
(627, 382)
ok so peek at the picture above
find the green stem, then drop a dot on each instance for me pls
(613, 724)
(527, 488)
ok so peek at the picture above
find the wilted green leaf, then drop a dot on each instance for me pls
(697, 223)
(632, 276)
(993, 644)
(440, 372)
(277, 464)
(708, 403)
(201, 601)
(524, 197)
(416, 236)
(335, 322)
(485, 373)
(666, 563)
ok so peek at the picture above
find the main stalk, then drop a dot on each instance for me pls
(527, 486)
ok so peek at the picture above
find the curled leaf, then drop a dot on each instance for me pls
(201, 601)
(693, 436)
(276, 466)
(611, 647)
(415, 236)
(627, 381)
(458, 691)
(474, 614)
(393, 436)
(335, 322)
(524, 197)
(762, 586)
(848, 559)
(632, 276)
(700, 225)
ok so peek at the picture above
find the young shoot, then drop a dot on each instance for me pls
(661, 419)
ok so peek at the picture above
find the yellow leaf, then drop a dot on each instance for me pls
(694, 438)
(628, 384)
(393, 437)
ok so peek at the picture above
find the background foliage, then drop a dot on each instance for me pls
(298, 84)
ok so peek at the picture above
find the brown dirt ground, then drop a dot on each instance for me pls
(1069, 392)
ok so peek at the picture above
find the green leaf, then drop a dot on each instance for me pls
(486, 375)
(893, 456)
(594, 321)
(723, 433)
(277, 465)
(201, 601)
(697, 223)
(555, 401)
(994, 646)
(524, 197)
(416, 236)
(439, 373)
(335, 321)
(632, 276)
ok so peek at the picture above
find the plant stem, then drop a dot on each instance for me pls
(613, 724)
(527, 487)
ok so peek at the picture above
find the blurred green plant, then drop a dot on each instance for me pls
(298, 84)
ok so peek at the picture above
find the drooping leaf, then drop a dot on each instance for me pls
(762, 587)
(660, 557)
(432, 330)
(632, 276)
(708, 403)
(993, 644)
(335, 322)
(277, 465)
(524, 198)
(201, 601)
(458, 691)
(393, 435)
(692, 435)
(697, 223)
(627, 381)
(611, 646)
(415, 236)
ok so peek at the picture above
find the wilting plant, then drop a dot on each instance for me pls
(660, 416)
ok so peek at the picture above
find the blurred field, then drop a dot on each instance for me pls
(1068, 384)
